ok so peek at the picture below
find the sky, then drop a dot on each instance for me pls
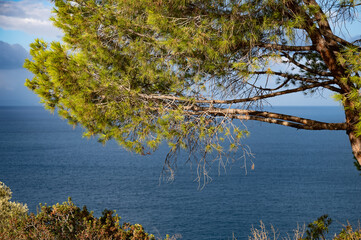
(22, 21)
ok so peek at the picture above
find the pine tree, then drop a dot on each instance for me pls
(185, 71)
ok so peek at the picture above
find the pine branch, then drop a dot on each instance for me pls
(286, 47)
(269, 117)
(233, 101)
(303, 67)
(303, 79)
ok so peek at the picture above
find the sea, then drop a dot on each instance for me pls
(298, 176)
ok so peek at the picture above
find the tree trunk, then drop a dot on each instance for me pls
(352, 118)
(355, 145)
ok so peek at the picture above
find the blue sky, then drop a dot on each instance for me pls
(21, 21)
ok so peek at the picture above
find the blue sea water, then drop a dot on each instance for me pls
(299, 175)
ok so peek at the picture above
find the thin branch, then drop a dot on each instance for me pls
(274, 46)
(303, 67)
(232, 101)
(286, 47)
(297, 77)
(270, 89)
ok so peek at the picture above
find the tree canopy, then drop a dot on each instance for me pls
(184, 71)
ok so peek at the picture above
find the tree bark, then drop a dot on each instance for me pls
(352, 118)
(355, 145)
(327, 45)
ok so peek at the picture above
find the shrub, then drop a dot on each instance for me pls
(9, 209)
(315, 231)
(349, 234)
(67, 221)
(318, 228)
(62, 221)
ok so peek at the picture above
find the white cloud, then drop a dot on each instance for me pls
(28, 16)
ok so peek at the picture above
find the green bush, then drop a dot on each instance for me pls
(9, 209)
(67, 221)
(349, 234)
(316, 230)
(62, 221)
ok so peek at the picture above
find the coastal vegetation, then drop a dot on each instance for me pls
(67, 221)
(62, 221)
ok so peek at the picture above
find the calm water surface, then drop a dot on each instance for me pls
(298, 176)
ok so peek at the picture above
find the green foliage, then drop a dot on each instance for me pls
(143, 72)
(349, 234)
(350, 58)
(8, 208)
(63, 221)
(318, 228)
(67, 221)
(101, 75)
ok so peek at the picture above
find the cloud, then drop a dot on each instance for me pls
(28, 16)
(12, 56)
